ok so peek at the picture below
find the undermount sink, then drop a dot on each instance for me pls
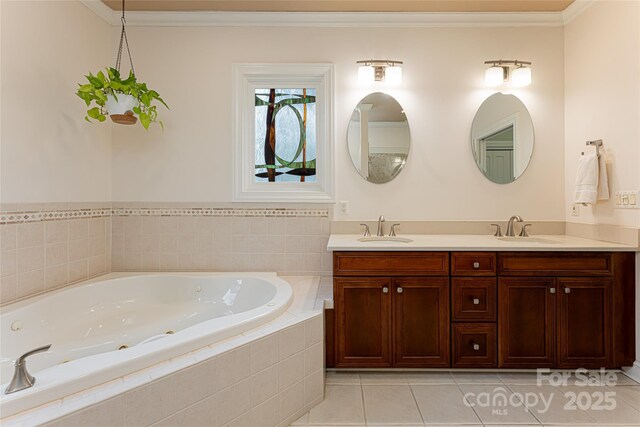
(529, 240)
(393, 239)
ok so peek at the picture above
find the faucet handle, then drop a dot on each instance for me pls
(367, 233)
(498, 232)
(22, 379)
(523, 232)
(392, 232)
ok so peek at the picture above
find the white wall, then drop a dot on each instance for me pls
(443, 86)
(602, 101)
(48, 152)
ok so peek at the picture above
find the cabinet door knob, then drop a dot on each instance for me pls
(385, 290)
(552, 290)
(476, 301)
(476, 264)
(399, 290)
(567, 290)
(476, 347)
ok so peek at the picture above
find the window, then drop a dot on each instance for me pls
(283, 128)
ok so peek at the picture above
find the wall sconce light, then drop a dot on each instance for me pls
(375, 70)
(500, 72)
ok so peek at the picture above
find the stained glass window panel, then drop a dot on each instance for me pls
(285, 135)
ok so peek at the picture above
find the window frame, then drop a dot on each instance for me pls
(247, 78)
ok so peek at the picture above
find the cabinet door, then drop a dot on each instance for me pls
(363, 322)
(526, 322)
(421, 322)
(584, 323)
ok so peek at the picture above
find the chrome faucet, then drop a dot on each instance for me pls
(510, 231)
(380, 232)
(21, 377)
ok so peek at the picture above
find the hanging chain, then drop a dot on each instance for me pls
(123, 38)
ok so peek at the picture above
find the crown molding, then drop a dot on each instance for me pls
(575, 9)
(325, 19)
(102, 10)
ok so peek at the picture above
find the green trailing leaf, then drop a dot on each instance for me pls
(109, 82)
(94, 113)
(145, 120)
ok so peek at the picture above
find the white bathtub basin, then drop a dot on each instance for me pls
(88, 323)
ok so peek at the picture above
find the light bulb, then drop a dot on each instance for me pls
(393, 75)
(494, 76)
(366, 74)
(521, 76)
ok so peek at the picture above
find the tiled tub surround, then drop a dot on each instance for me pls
(268, 376)
(131, 310)
(288, 241)
(47, 247)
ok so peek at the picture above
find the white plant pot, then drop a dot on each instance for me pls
(121, 110)
(124, 104)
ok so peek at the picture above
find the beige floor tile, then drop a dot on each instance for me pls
(495, 404)
(443, 404)
(390, 404)
(624, 414)
(342, 404)
(342, 378)
(429, 378)
(388, 378)
(523, 378)
(302, 421)
(629, 394)
(547, 404)
(625, 380)
(475, 378)
(596, 379)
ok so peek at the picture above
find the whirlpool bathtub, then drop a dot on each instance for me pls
(120, 323)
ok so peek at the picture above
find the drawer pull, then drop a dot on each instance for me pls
(399, 290)
(476, 264)
(552, 290)
(567, 290)
(476, 301)
(385, 290)
(476, 347)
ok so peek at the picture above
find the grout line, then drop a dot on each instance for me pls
(417, 406)
(364, 408)
(464, 399)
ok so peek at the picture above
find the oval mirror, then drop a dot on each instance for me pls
(502, 138)
(378, 138)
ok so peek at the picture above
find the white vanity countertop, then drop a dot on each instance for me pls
(462, 242)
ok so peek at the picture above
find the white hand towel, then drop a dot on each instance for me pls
(587, 179)
(603, 181)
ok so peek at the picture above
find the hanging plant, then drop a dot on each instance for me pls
(123, 100)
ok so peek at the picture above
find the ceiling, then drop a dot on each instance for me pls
(342, 5)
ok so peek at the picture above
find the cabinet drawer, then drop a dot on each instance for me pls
(473, 299)
(555, 264)
(473, 264)
(474, 345)
(390, 264)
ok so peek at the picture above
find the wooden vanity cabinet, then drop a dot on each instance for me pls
(565, 310)
(584, 322)
(421, 322)
(391, 309)
(484, 309)
(526, 324)
(362, 307)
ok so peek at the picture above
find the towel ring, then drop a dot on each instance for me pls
(597, 143)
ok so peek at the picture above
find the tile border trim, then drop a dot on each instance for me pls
(222, 212)
(18, 217)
